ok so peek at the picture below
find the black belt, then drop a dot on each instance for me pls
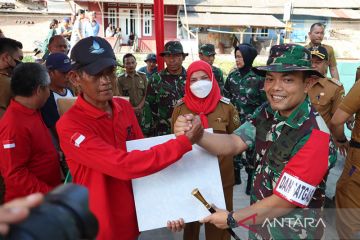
(354, 144)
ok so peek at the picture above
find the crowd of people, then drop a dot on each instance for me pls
(80, 26)
(283, 122)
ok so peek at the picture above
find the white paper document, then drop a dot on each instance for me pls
(166, 195)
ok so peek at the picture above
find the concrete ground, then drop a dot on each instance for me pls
(241, 200)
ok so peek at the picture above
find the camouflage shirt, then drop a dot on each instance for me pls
(245, 92)
(219, 76)
(163, 92)
(278, 139)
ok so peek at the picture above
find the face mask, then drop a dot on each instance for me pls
(201, 88)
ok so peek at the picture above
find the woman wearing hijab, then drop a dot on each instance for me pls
(245, 90)
(203, 98)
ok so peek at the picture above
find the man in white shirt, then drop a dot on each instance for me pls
(58, 65)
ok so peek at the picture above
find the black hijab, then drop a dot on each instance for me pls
(248, 53)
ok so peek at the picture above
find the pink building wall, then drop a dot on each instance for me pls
(146, 43)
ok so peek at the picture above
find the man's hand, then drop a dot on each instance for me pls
(176, 226)
(350, 123)
(17, 210)
(219, 219)
(343, 147)
(196, 131)
(183, 124)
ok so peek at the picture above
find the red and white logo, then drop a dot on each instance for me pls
(77, 139)
(7, 144)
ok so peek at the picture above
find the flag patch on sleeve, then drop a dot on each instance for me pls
(7, 144)
(77, 139)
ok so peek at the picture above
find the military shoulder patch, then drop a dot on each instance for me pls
(142, 75)
(337, 82)
(236, 119)
(225, 100)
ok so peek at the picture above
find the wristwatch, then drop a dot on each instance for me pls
(231, 222)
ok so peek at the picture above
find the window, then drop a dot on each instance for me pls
(112, 16)
(264, 32)
(147, 25)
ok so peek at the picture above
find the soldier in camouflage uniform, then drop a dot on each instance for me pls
(289, 138)
(245, 90)
(220, 115)
(207, 54)
(164, 90)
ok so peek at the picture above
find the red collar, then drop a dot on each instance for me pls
(18, 106)
(94, 111)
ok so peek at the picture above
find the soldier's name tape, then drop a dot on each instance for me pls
(294, 190)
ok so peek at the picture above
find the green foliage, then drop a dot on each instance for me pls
(28, 58)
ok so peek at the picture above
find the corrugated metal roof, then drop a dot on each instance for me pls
(248, 3)
(278, 3)
(8, 1)
(204, 19)
(333, 13)
(62, 7)
(166, 2)
(57, 7)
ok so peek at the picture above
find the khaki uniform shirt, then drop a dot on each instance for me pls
(351, 105)
(224, 119)
(325, 96)
(330, 51)
(132, 86)
(5, 92)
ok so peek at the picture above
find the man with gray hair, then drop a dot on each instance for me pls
(29, 162)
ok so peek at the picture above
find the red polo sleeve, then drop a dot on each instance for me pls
(83, 146)
(15, 154)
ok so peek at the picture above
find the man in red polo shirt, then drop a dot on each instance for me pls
(29, 162)
(93, 135)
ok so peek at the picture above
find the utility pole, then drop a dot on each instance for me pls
(288, 8)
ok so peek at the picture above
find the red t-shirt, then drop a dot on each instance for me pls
(94, 144)
(29, 162)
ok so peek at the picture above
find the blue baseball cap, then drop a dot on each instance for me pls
(58, 61)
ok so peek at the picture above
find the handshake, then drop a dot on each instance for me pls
(190, 126)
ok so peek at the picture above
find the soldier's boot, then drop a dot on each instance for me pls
(237, 176)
